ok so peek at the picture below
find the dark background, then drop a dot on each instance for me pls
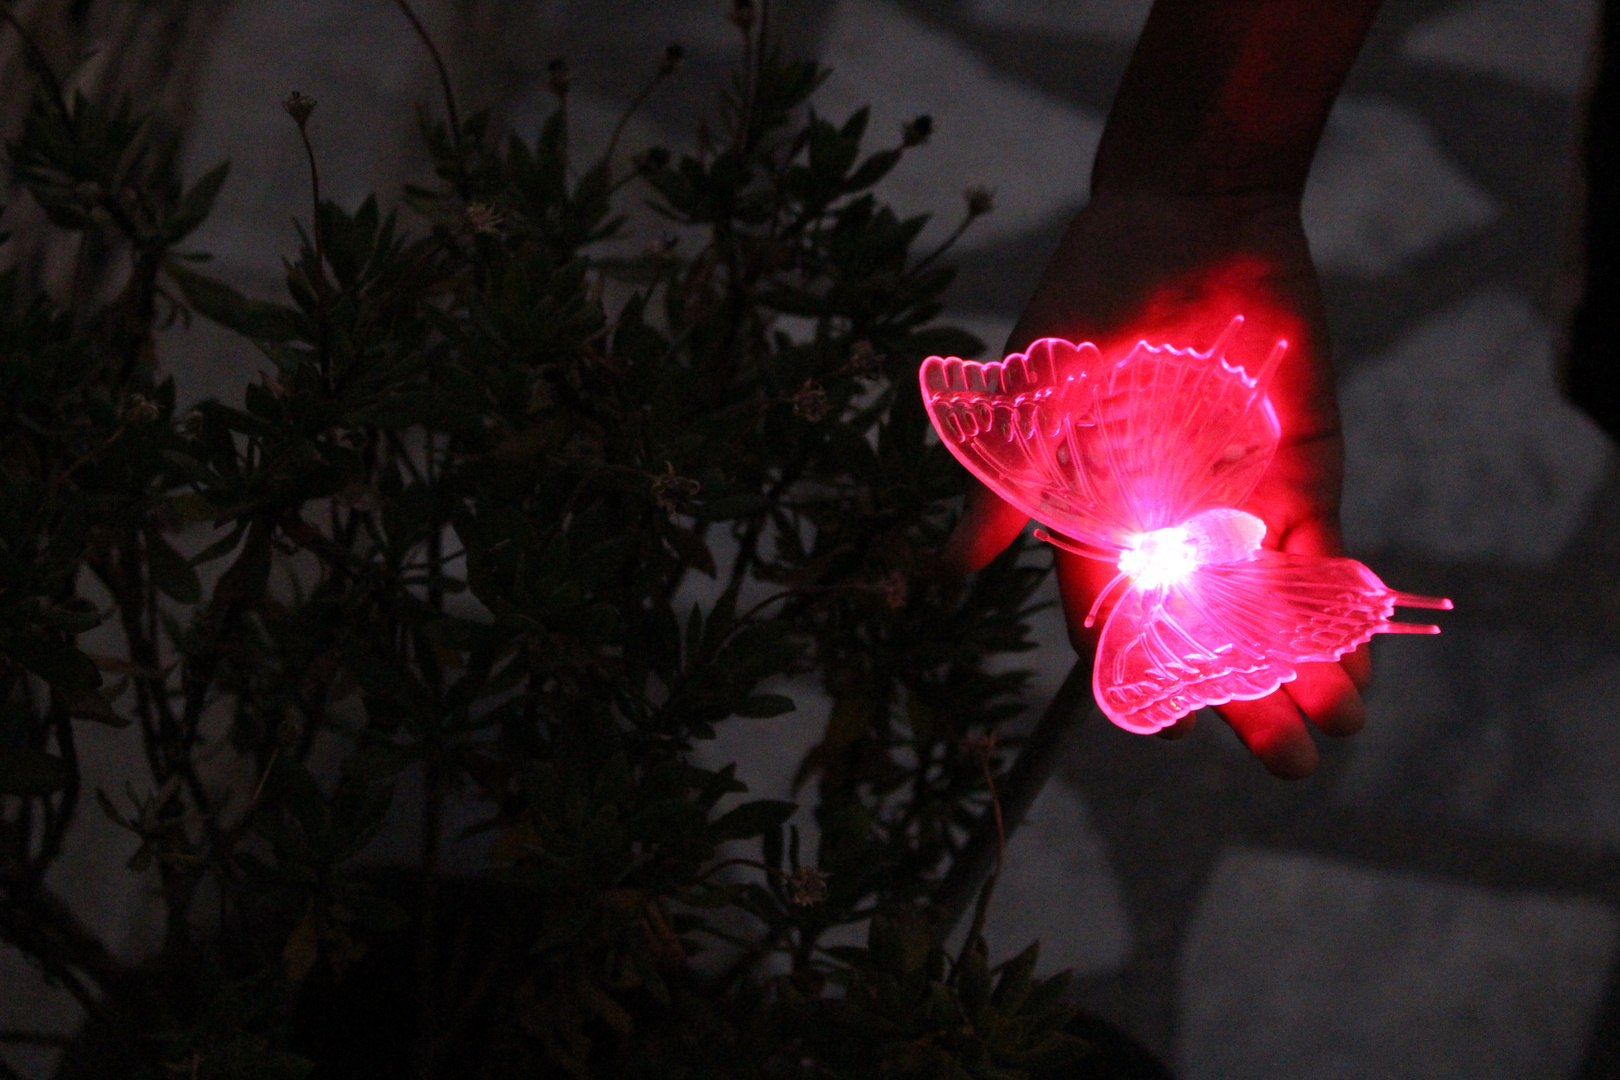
(1440, 901)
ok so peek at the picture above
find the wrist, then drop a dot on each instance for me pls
(1229, 96)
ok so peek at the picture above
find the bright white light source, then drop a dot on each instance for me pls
(1161, 557)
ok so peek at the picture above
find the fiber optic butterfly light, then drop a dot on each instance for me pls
(1143, 460)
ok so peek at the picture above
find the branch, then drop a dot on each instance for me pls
(36, 58)
(449, 96)
(1024, 782)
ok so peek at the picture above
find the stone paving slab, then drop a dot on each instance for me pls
(1382, 190)
(1459, 445)
(1033, 151)
(1540, 43)
(29, 1001)
(1058, 888)
(1114, 20)
(1298, 968)
(1495, 728)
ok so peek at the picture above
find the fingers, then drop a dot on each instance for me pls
(1358, 665)
(987, 526)
(1328, 696)
(1274, 732)
(1313, 536)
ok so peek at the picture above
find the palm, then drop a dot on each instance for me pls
(1130, 263)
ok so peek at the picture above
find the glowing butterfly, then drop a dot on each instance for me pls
(1143, 461)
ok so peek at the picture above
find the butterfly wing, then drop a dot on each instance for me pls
(1101, 448)
(1235, 632)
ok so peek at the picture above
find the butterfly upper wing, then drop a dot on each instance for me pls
(1101, 448)
(1236, 632)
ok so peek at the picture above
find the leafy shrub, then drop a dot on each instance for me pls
(454, 530)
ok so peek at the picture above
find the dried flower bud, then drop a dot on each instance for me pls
(191, 423)
(673, 55)
(864, 361)
(483, 219)
(980, 201)
(663, 251)
(654, 157)
(299, 107)
(140, 409)
(558, 77)
(742, 14)
(671, 491)
(811, 402)
(916, 130)
(893, 590)
(289, 731)
(360, 497)
(807, 886)
(980, 744)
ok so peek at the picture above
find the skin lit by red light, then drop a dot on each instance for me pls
(1143, 457)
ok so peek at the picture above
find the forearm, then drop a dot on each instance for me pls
(1229, 97)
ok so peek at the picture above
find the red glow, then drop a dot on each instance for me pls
(1142, 457)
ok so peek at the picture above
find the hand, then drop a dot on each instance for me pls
(1132, 262)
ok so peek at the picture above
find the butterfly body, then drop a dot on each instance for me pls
(1144, 460)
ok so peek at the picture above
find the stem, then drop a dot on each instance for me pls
(945, 245)
(449, 95)
(57, 823)
(1023, 783)
(62, 477)
(976, 930)
(318, 282)
(36, 58)
(630, 110)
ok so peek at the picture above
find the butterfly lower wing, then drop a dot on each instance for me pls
(1236, 632)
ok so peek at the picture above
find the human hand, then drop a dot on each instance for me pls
(1137, 263)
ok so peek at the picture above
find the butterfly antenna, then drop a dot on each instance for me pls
(1224, 338)
(1269, 368)
(1436, 603)
(1091, 616)
(1074, 547)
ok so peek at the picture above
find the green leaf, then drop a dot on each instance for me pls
(1016, 977)
(31, 772)
(691, 548)
(752, 819)
(218, 301)
(378, 761)
(73, 616)
(765, 706)
(197, 204)
(221, 547)
(171, 573)
(86, 704)
(402, 410)
(51, 658)
(872, 170)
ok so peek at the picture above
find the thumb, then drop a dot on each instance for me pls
(989, 523)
